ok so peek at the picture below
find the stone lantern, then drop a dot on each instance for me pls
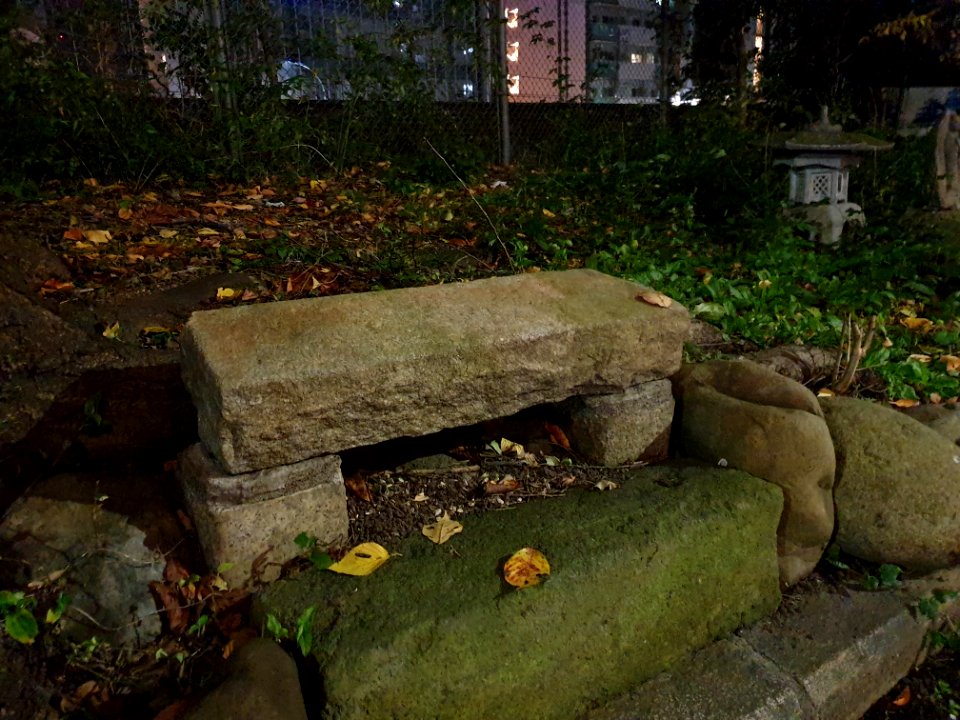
(820, 159)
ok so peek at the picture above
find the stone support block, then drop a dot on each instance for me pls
(623, 427)
(281, 382)
(239, 518)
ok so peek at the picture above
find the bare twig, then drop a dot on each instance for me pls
(311, 147)
(860, 342)
(476, 202)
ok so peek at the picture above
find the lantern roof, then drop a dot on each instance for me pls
(821, 136)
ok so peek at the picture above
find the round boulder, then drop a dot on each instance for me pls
(898, 486)
(741, 415)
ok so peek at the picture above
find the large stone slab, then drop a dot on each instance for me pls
(641, 576)
(281, 382)
(253, 518)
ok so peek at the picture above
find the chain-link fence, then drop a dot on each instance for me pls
(475, 65)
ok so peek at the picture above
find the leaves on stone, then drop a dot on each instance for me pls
(361, 560)
(652, 297)
(525, 568)
(442, 530)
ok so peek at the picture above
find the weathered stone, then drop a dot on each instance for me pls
(640, 577)
(845, 649)
(261, 684)
(898, 486)
(281, 382)
(243, 518)
(750, 418)
(945, 420)
(727, 680)
(109, 568)
(623, 427)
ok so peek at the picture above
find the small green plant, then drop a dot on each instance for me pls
(887, 577)
(308, 545)
(18, 612)
(302, 633)
(947, 699)
(18, 620)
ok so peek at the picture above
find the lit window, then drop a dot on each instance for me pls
(513, 17)
(636, 58)
(468, 51)
(468, 90)
(513, 51)
(513, 84)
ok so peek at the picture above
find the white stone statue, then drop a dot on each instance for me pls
(948, 167)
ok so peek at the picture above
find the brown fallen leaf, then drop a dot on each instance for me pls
(506, 484)
(178, 616)
(359, 487)
(903, 698)
(557, 436)
(74, 234)
(442, 530)
(652, 297)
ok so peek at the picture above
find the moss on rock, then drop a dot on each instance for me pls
(641, 575)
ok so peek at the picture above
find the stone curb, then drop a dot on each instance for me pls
(827, 655)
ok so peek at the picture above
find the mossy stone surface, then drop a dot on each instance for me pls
(641, 575)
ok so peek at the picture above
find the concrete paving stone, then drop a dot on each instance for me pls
(726, 680)
(277, 383)
(845, 649)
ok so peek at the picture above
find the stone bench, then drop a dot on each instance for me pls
(282, 388)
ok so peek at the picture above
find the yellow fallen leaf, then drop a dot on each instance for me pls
(244, 207)
(361, 560)
(442, 530)
(825, 392)
(606, 485)
(508, 446)
(91, 182)
(125, 213)
(547, 213)
(318, 184)
(113, 331)
(917, 324)
(207, 231)
(97, 237)
(421, 497)
(952, 362)
(168, 233)
(920, 358)
(652, 297)
(151, 329)
(905, 403)
(526, 567)
(225, 293)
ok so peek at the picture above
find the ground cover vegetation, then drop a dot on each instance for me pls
(138, 192)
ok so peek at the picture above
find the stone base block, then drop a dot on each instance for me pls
(240, 518)
(623, 427)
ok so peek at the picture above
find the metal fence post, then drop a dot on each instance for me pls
(504, 84)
